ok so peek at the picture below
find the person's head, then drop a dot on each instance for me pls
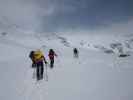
(51, 50)
(75, 49)
(32, 51)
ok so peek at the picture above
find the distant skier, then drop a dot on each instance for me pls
(51, 57)
(75, 53)
(38, 59)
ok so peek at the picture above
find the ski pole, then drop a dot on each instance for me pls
(46, 73)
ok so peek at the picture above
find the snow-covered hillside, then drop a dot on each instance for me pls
(95, 75)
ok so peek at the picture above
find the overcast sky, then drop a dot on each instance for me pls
(56, 15)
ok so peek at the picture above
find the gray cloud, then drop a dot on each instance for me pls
(85, 14)
(19, 13)
(55, 15)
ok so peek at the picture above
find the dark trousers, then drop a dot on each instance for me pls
(51, 63)
(39, 70)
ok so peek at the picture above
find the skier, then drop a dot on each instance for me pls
(51, 57)
(31, 56)
(75, 52)
(38, 59)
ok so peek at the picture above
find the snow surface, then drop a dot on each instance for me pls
(95, 75)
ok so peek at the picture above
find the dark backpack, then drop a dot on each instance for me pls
(75, 51)
(51, 54)
(31, 54)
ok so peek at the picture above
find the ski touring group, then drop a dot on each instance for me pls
(38, 59)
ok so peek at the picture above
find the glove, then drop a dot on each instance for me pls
(45, 62)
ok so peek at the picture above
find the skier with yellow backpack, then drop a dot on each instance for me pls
(37, 58)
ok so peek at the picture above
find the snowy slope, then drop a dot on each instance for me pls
(95, 75)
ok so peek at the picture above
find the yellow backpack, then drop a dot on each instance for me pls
(38, 56)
